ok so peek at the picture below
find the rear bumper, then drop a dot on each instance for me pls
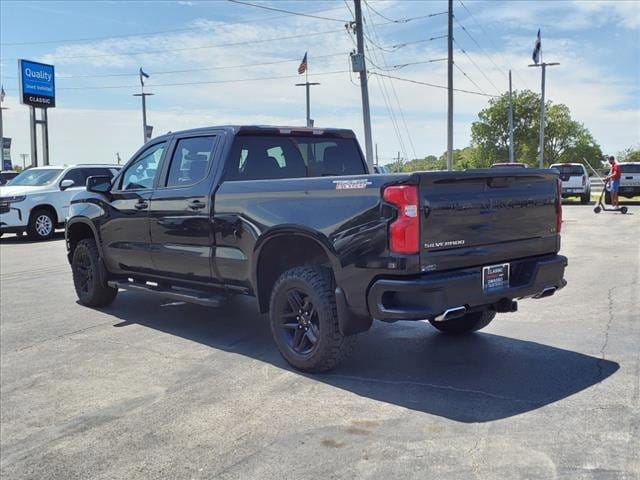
(574, 191)
(428, 296)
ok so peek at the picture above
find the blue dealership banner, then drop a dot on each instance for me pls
(37, 84)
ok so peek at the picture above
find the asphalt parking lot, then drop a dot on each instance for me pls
(152, 389)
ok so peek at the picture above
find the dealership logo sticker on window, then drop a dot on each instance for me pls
(351, 184)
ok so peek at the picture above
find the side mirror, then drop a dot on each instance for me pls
(99, 184)
(64, 184)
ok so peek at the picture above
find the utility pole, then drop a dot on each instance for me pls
(450, 89)
(359, 62)
(377, 159)
(542, 107)
(308, 84)
(510, 121)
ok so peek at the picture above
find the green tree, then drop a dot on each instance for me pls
(631, 154)
(566, 140)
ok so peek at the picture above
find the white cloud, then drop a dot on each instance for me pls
(606, 104)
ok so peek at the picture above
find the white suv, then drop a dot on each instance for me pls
(575, 181)
(37, 200)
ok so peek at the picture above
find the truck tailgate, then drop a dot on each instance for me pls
(481, 216)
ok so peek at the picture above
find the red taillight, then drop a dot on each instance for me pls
(584, 180)
(559, 207)
(404, 232)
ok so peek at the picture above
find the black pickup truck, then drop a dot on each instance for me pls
(293, 217)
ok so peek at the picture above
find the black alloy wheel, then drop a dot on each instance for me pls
(304, 319)
(299, 322)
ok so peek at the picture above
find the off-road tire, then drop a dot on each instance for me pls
(35, 229)
(470, 322)
(332, 346)
(90, 276)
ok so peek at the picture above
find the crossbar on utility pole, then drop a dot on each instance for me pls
(510, 121)
(308, 84)
(542, 108)
(450, 89)
(364, 88)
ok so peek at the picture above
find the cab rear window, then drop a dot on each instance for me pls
(570, 169)
(268, 157)
(630, 168)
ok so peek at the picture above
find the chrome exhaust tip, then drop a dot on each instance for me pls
(547, 292)
(450, 313)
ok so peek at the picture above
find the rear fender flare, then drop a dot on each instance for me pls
(297, 230)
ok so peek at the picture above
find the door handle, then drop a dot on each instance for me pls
(196, 205)
(141, 205)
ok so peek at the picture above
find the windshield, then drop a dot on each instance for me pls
(36, 177)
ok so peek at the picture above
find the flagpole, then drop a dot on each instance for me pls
(537, 52)
(143, 95)
(307, 86)
(306, 81)
(511, 160)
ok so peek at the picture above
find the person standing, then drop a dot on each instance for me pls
(614, 180)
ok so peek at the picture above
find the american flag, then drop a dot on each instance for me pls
(303, 65)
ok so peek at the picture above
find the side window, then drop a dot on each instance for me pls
(77, 175)
(191, 161)
(142, 172)
(261, 158)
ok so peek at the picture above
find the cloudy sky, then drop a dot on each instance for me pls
(218, 62)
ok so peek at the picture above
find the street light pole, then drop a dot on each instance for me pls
(544, 66)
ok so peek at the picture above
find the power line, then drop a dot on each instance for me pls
(382, 92)
(444, 87)
(390, 68)
(476, 65)
(400, 20)
(491, 41)
(201, 47)
(479, 46)
(469, 78)
(387, 101)
(273, 9)
(393, 89)
(188, 70)
(158, 32)
(179, 84)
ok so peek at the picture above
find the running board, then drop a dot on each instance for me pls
(178, 294)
